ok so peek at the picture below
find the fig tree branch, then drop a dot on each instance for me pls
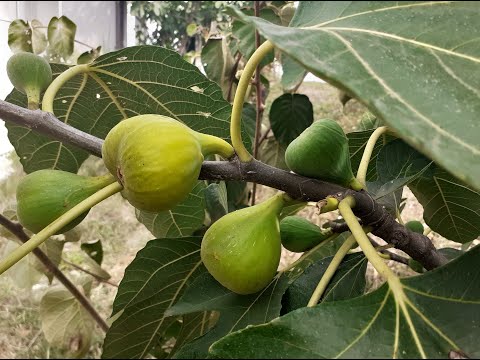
(372, 214)
(17, 230)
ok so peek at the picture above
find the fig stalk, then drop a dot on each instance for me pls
(243, 85)
(367, 154)
(394, 283)
(60, 80)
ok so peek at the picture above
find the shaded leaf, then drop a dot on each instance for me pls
(94, 249)
(244, 33)
(93, 267)
(290, 210)
(348, 282)
(272, 153)
(293, 73)
(397, 160)
(398, 164)
(53, 248)
(180, 221)
(152, 283)
(39, 37)
(65, 323)
(24, 273)
(89, 56)
(218, 62)
(216, 200)
(443, 306)
(193, 326)
(61, 36)
(369, 122)
(290, 115)
(237, 194)
(451, 208)
(412, 72)
(236, 311)
(20, 36)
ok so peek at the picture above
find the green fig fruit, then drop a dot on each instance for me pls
(242, 249)
(321, 152)
(157, 159)
(299, 235)
(45, 195)
(30, 74)
(415, 226)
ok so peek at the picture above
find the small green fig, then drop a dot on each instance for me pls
(45, 195)
(157, 159)
(299, 235)
(30, 74)
(415, 226)
(242, 249)
(321, 151)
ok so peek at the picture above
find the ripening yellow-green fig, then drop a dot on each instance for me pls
(157, 159)
(242, 249)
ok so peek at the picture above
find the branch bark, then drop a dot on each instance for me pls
(372, 214)
(17, 230)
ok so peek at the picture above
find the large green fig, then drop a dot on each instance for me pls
(45, 195)
(157, 159)
(321, 151)
(299, 235)
(30, 74)
(242, 249)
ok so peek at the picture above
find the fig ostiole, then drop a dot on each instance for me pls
(321, 152)
(45, 195)
(30, 74)
(300, 235)
(242, 249)
(157, 159)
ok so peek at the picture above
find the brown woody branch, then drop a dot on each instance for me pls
(372, 214)
(17, 230)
